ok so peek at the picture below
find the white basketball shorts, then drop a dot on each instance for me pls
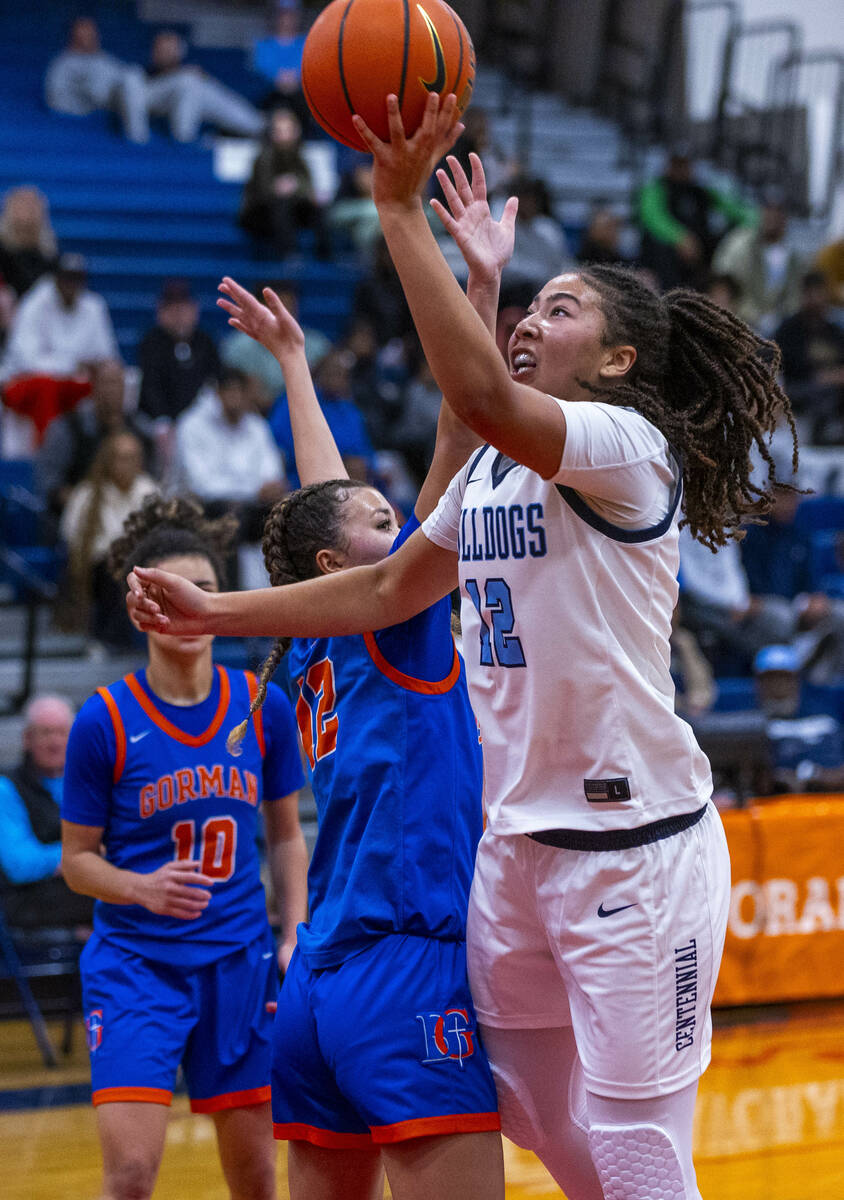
(623, 945)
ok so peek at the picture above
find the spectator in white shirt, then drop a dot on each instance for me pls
(226, 455)
(59, 333)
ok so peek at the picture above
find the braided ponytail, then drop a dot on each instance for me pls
(299, 526)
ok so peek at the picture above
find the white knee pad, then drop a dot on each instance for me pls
(519, 1118)
(637, 1162)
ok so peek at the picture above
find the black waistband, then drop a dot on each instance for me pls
(617, 839)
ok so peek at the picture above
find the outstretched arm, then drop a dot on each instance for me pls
(317, 456)
(487, 246)
(518, 420)
(354, 601)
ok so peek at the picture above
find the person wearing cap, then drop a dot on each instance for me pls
(681, 221)
(59, 333)
(176, 357)
(767, 268)
(807, 743)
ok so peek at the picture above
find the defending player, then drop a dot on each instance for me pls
(182, 962)
(376, 1057)
(599, 903)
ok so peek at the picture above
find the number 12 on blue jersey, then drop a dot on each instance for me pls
(498, 642)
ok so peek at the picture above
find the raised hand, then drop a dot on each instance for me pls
(403, 166)
(159, 602)
(486, 244)
(269, 323)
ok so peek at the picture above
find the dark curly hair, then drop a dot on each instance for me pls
(709, 384)
(299, 526)
(168, 528)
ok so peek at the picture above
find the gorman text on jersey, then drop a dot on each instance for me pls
(198, 783)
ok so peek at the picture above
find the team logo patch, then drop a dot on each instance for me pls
(94, 1029)
(449, 1036)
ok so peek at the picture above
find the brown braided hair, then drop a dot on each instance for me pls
(299, 526)
(708, 383)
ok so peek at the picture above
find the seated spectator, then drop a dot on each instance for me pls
(766, 267)
(59, 333)
(415, 431)
(332, 380)
(277, 58)
(682, 222)
(278, 200)
(93, 517)
(777, 562)
(27, 241)
(225, 455)
(541, 247)
(807, 745)
(601, 242)
(353, 210)
(812, 348)
(84, 79)
(72, 440)
(717, 606)
(830, 262)
(188, 97)
(239, 350)
(379, 297)
(176, 359)
(33, 893)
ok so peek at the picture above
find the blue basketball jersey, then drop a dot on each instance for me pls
(173, 791)
(395, 765)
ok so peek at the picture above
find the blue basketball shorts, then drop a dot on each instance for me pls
(143, 1018)
(382, 1048)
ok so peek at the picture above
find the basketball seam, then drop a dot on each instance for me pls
(460, 43)
(340, 56)
(324, 121)
(406, 54)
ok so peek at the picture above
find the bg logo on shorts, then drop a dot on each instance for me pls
(94, 1028)
(448, 1036)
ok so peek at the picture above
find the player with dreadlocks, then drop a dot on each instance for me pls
(181, 964)
(599, 901)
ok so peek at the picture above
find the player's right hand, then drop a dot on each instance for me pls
(269, 323)
(178, 889)
(160, 602)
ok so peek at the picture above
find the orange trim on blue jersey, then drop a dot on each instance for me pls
(257, 716)
(321, 1137)
(410, 681)
(431, 1126)
(119, 733)
(260, 1095)
(158, 718)
(132, 1095)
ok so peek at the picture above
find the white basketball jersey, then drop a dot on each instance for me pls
(567, 588)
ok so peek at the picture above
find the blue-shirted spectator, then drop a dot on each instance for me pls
(34, 895)
(807, 745)
(277, 58)
(334, 388)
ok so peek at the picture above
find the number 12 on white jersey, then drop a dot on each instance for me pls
(499, 645)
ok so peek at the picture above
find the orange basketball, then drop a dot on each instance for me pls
(359, 51)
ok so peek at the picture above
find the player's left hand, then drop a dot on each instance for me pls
(159, 602)
(269, 323)
(486, 244)
(402, 166)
